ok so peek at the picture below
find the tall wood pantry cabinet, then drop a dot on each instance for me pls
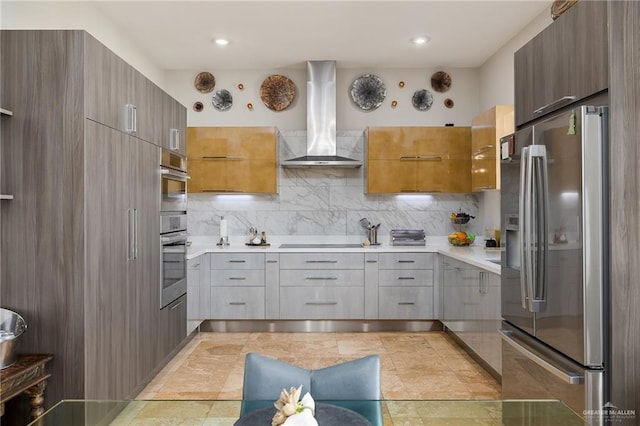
(80, 251)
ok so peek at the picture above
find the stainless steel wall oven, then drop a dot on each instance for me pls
(173, 238)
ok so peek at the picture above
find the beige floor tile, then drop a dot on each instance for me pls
(427, 365)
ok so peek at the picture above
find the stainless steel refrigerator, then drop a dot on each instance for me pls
(554, 259)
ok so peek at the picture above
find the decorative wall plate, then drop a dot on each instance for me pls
(198, 106)
(222, 100)
(440, 81)
(422, 100)
(205, 82)
(448, 103)
(561, 6)
(277, 92)
(368, 91)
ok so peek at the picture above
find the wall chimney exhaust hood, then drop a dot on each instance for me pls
(321, 120)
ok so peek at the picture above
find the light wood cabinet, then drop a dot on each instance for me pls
(567, 61)
(486, 131)
(418, 159)
(232, 159)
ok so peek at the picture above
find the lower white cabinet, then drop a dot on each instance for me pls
(405, 286)
(237, 286)
(242, 302)
(198, 292)
(471, 309)
(321, 302)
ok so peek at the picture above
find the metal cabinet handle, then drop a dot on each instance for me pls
(237, 261)
(237, 303)
(554, 103)
(131, 119)
(322, 278)
(482, 149)
(6, 197)
(372, 261)
(132, 246)
(406, 278)
(429, 190)
(174, 139)
(272, 261)
(321, 261)
(176, 305)
(406, 261)
(569, 377)
(408, 157)
(237, 278)
(321, 303)
(409, 190)
(485, 187)
(222, 190)
(222, 157)
(197, 265)
(429, 158)
(406, 303)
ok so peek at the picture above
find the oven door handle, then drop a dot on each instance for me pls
(171, 239)
(183, 177)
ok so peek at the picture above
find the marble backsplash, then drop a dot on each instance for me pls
(323, 201)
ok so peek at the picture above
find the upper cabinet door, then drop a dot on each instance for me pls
(566, 62)
(174, 133)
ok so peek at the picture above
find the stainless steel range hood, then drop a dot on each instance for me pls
(321, 120)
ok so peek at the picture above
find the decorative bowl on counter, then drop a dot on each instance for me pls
(461, 238)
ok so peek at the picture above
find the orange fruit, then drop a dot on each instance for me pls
(461, 235)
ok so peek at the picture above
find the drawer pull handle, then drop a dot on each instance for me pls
(197, 265)
(406, 303)
(429, 158)
(223, 157)
(237, 303)
(222, 190)
(482, 149)
(408, 157)
(176, 305)
(372, 261)
(322, 278)
(272, 261)
(406, 278)
(406, 261)
(554, 103)
(237, 261)
(237, 278)
(322, 261)
(321, 303)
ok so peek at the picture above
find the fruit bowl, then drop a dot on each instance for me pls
(461, 239)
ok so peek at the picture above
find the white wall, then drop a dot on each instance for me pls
(78, 16)
(464, 92)
(497, 88)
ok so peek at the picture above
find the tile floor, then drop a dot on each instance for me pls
(426, 365)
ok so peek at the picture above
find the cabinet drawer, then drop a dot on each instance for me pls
(406, 302)
(406, 260)
(406, 277)
(237, 302)
(322, 261)
(319, 277)
(238, 261)
(238, 277)
(322, 303)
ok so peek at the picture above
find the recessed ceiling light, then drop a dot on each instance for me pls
(420, 40)
(221, 41)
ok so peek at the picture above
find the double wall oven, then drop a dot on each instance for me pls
(173, 227)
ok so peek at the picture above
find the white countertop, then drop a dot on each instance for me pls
(475, 254)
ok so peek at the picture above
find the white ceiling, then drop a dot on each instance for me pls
(282, 34)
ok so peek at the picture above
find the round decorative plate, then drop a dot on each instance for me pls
(205, 82)
(422, 100)
(561, 6)
(277, 92)
(440, 81)
(368, 91)
(198, 106)
(222, 100)
(449, 103)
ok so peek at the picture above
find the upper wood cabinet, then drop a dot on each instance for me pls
(418, 159)
(122, 98)
(567, 61)
(486, 131)
(232, 159)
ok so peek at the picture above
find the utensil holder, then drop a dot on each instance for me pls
(372, 235)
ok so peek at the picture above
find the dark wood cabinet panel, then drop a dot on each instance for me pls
(624, 43)
(80, 188)
(567, 61)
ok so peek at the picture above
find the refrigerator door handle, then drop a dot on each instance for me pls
(522, 227)
(539, 212)
(568, 376)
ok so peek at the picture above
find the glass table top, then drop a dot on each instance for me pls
(226, 413)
